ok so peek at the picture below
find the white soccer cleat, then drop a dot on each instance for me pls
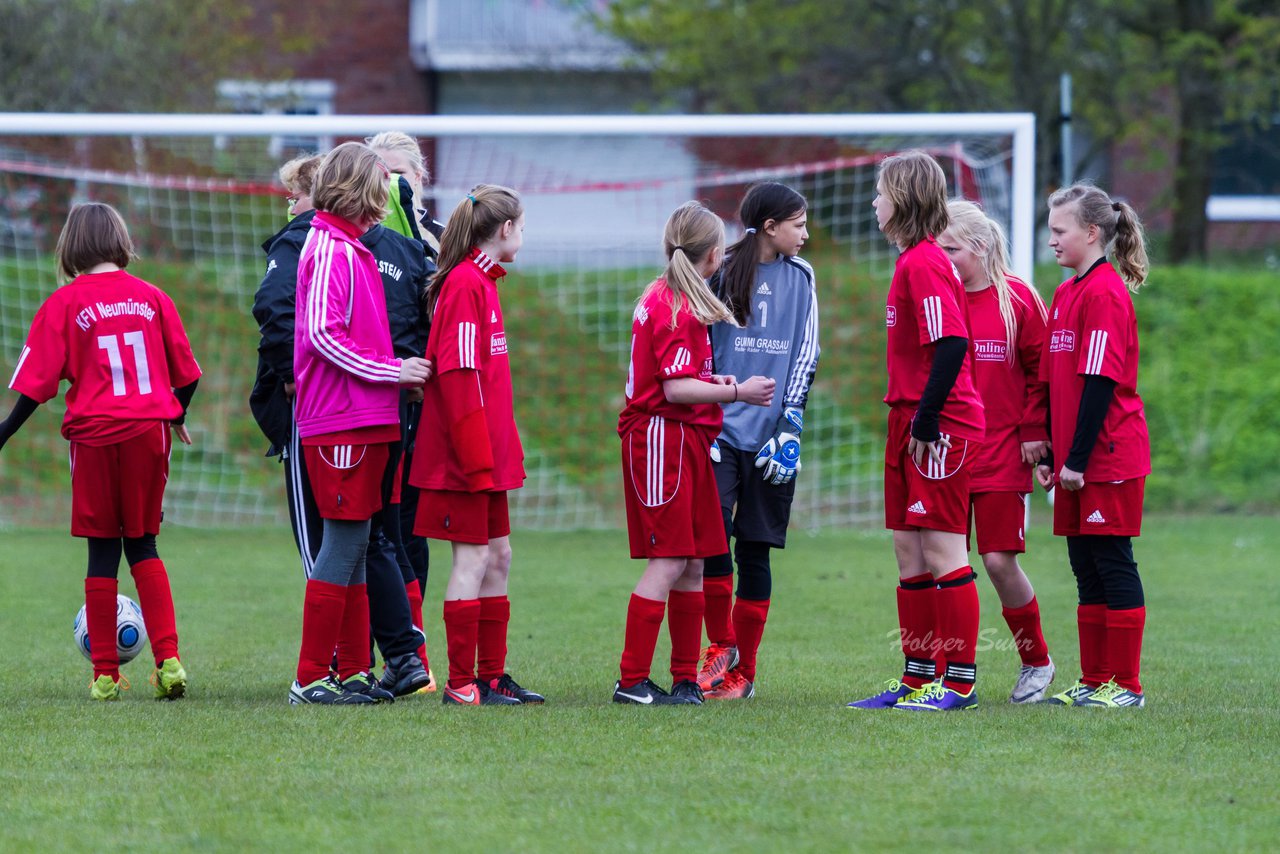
(1032, 683)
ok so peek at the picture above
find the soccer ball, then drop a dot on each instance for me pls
(131, 631)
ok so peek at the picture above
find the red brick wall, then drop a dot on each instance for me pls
(361, 45)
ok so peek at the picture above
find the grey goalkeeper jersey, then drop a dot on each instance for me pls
(780, 341)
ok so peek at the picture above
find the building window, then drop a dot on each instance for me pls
(1246, 175)
(283, 98)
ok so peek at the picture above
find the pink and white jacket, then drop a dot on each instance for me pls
(346, 372)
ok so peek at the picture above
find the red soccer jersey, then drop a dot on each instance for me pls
(1093, 331)
(927, 302)
(1013, 396)
(660, 353)
(467, 333)
(120, 343)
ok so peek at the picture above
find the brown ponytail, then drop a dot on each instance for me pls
(476, 218)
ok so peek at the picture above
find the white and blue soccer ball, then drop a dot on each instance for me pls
(131, 631)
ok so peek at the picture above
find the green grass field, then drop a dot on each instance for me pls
(232, 767)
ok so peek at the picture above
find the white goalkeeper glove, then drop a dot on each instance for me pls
(780, 456)
(715, 451)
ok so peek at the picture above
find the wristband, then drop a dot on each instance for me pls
(735, 393)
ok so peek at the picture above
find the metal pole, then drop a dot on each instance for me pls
(1068, 156)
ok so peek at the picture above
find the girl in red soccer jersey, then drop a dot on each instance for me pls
(1007, 320)
(771, 292)
(347, 413)
(1099, 433)
(120, 343)
(667, 427)
(468, 449)
(936, 426)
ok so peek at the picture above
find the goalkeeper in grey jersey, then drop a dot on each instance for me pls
(773, 297)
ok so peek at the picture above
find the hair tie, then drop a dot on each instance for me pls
(472, 198)
(751, 231)
(1115, 206)
(681, 248)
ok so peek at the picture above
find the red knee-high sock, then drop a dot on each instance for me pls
(100, 620)
(353, 639)
(322, 612)
(717, 591)
(749, 616)
(958, 627)
(644, 621)
(1124, 645)
(1024, 622)
(495, 615)
(156, 602)
(917, 622)
(1095, 666)
(685, 609)
(415, 611)
(461, 630)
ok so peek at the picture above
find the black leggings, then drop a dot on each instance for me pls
(755, 577)
(104, 553)
(1105, 571)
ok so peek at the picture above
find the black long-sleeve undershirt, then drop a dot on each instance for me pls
(18, 416)
(184, 396)
(1095, 400)
(948, 359)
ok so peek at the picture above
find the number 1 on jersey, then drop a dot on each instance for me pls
(138, 344)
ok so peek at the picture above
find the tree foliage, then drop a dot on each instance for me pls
(1172, 69)
(117, 55)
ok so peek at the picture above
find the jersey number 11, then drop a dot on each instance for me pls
(138, 344)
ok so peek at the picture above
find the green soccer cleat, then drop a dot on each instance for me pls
(1072, 696)
(107, 689)
(169, 679)
(1112, 696)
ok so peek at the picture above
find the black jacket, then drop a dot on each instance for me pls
(404, 266)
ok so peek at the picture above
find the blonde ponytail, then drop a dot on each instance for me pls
(693, 232)
(1131, 247)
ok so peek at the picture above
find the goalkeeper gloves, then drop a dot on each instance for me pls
(715, 451)
(780, 456)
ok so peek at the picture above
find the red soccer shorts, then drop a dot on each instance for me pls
(398, 481)
(931, 495)
(117, 490)
(673, 505)
(1113, 509)
(462, 517)
(1000, 519)
(347, 479)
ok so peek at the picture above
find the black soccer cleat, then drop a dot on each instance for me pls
(643, 693)
(363, 683)
(490, 697)
(686, 693)
(508, 687)
(325, 692)
(403, 674)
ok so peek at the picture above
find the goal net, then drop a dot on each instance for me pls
(200, 197)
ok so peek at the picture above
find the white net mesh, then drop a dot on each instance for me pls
(200, 207)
